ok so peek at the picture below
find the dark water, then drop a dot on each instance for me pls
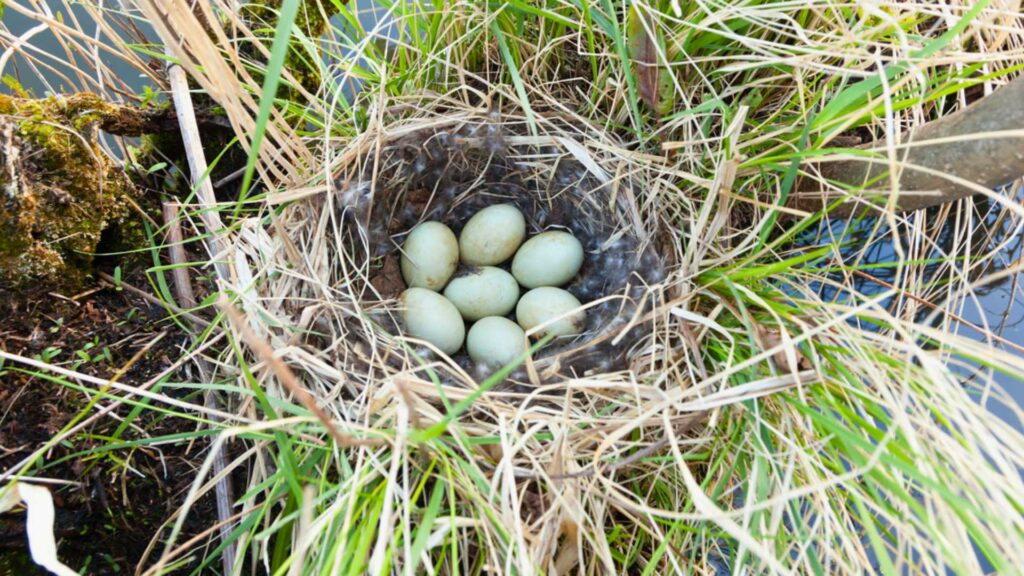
(41, 81)
(994, 309)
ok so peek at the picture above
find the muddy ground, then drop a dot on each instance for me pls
(116, 500)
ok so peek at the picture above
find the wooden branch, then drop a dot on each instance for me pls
(132, 121)
(199, 169)
(223, 491)
(960, 149)
(176, 249)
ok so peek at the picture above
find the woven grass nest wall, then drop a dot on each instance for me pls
(446, 165)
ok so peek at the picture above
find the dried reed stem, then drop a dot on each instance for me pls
(183, 289)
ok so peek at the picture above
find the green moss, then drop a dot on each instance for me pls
(14, 86)
(60, 190)
(312, 19)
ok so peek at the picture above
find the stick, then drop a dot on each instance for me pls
(211, 220)
(182, 284)
(197, 166)
(152, 299)
(183, 289)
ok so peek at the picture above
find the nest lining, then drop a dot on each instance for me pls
(450, 174)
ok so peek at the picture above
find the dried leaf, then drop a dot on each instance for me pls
(654, 81)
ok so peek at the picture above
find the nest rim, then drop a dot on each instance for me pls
(344, 330)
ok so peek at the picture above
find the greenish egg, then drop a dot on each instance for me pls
(483, 291)
(495, 341)
(431, 317)
(547, 303)
(430, 255)
(492, 235)
(548, 259)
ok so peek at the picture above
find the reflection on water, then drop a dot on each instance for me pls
(346, 41)
(945, 262)
(342, 48)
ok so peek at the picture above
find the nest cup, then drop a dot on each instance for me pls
(455, 167)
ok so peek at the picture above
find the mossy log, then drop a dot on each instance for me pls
(59, 188)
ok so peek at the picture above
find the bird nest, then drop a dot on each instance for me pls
(333, 255)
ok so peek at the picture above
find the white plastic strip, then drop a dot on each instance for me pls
(38, 524)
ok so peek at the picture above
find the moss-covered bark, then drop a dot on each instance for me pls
(58, 189)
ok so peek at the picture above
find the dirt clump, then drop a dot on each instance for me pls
(59, 191)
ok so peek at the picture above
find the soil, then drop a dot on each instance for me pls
(117, 500)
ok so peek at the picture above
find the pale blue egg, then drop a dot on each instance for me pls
(430, 255)
(432, 317)
(492, 235)
(483, 291)
(548, 259)
(495, 341)
(546, 303)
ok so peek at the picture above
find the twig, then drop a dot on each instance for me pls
(182, 285)
(211, 220)
(64, 298)
(289, 380)
(197, 166)
(230, 177)
(152, 299)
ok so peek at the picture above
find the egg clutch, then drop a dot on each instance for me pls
(442, 295)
